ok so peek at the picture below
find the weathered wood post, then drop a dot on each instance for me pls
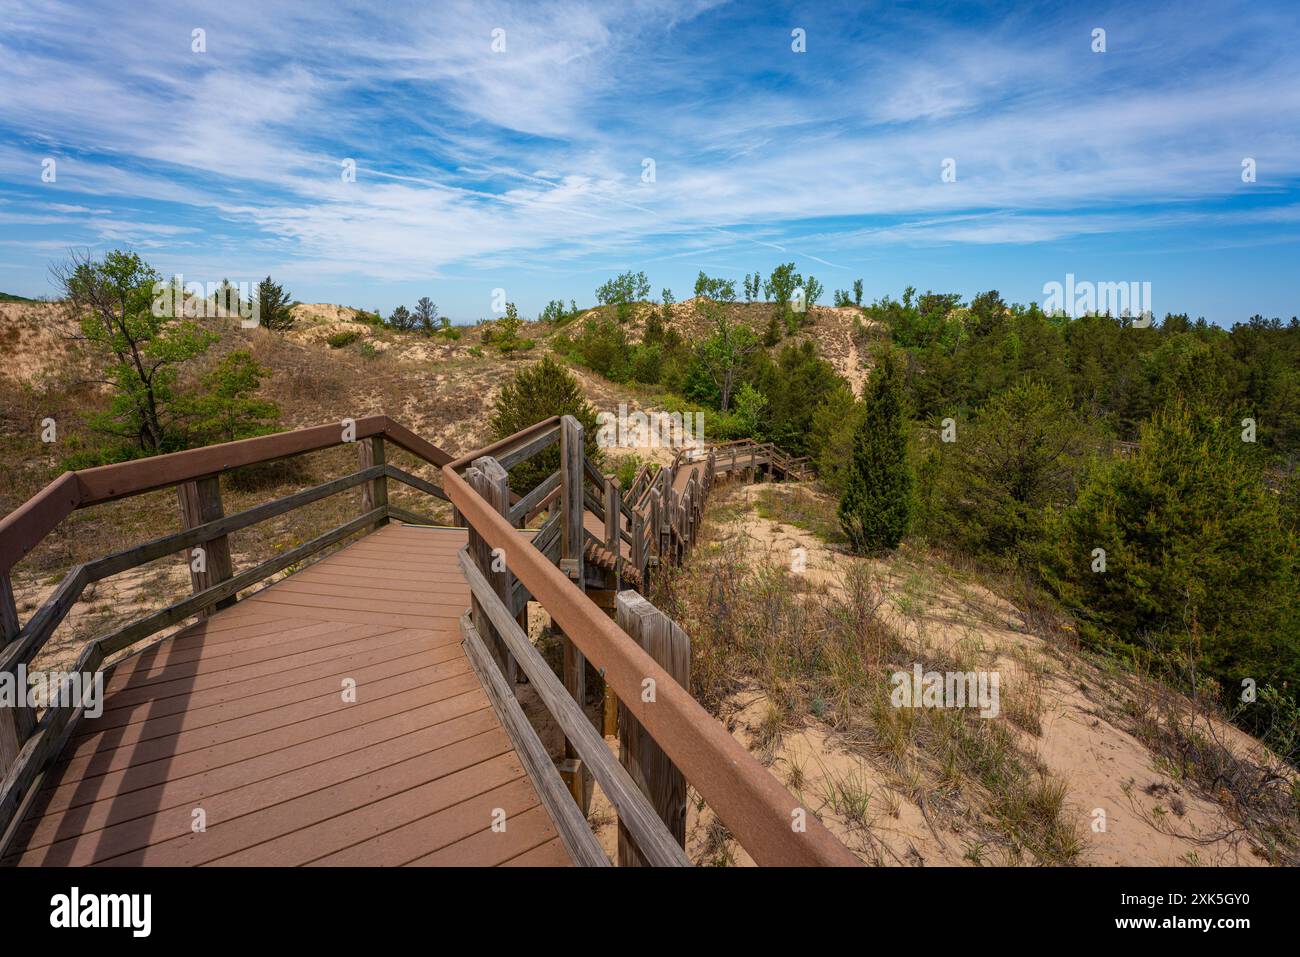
(200, 502)
(16, 723)
(614, 542)
(659, 780)
(665, 531)
(639, 561)
(374, 494)
(692, 508)
(573, 512)
(614, 523)
(490, 481)
(656, 521)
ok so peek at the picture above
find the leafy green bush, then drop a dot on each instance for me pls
(645, 364)
(626, 469)
(622, 291)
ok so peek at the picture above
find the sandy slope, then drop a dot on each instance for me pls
(1150, 817)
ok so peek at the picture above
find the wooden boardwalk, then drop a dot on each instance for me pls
(360, 711)
(241, 721)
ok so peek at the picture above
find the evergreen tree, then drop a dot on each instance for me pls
(834, 424)
(774, 329)
(539, 391)
(1198, 562)
(402, 319)
(1023, 452)
(273, 306)
(877, 505)
(426, 314)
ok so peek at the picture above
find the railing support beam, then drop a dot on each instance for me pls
(16, 723)
(572, 515)
(374, 494)
(200, 503)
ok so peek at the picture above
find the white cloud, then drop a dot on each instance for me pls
(466, 157)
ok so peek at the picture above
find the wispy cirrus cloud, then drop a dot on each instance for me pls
(519, 166)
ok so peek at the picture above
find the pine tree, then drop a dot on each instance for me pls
(426, 315)
(774, 330)
(1181, 549)
(402, 319)
(274, 306)
(877, 505)
(539, 391)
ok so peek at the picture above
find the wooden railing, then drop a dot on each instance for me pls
(638, 654)
(27, 746)
(578, 576)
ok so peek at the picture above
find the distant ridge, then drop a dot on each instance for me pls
(8, 297)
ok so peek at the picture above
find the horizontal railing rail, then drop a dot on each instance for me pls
(27, 526)
(27, 745)
(765, 818)
(653, 522)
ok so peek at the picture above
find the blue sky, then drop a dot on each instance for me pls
(523, 169)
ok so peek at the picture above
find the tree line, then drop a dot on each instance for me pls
(992, 428)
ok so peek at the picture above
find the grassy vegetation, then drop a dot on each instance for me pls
(799, 506)
(826, 653)
(1191, 738)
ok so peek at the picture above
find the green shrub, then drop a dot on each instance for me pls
(876, 508)
(539, 391)
(627, 468)
(225, 407)
(1199, 567)
(342, 338)
(1023, 452)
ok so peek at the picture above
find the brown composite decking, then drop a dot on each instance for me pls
(242, 716)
